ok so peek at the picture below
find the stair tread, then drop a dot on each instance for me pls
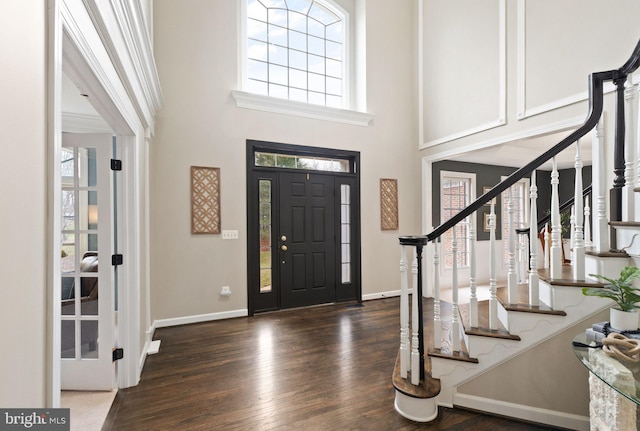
(502, 293)
(483, 323)
(456, 356)
(624, 223)
(566, 278)
(609, 253)
(428, 388)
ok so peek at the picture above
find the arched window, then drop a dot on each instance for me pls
(296, 50)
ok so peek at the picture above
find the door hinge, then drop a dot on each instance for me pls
(116, 165)
(116, 259)
(118, 353)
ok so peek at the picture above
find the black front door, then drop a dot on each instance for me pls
(303, 226)
(306, 239)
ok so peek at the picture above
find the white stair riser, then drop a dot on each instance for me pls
(607, 266)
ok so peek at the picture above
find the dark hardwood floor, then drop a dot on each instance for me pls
(320, 368)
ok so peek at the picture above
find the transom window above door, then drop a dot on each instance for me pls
(296, 51)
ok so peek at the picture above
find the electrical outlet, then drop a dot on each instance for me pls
(226, 291)
(229, 234)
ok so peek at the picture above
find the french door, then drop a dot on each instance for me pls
(303, 226)
(87, 297)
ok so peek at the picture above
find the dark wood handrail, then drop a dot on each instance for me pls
(596, 99)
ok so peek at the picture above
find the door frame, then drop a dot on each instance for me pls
(354, 290)
(76, 47)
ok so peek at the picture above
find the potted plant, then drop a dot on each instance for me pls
(624, 316)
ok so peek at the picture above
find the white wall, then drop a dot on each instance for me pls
(23, 170)
(196, 54)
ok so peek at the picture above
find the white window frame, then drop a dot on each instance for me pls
(245, 99)
(466, 176)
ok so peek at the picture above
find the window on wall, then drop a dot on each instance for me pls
(518, 194)
(296, 51)
(456, 193)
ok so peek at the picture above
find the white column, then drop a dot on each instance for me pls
(415, 353)
(534, 286)
(556, 225)
(404, 313)
(437, 319)
(587, 224)
(628, 198)
(577, 260)
(599, 192)
(473, 299)
(455, 315)
(493, 299)
(512, 280)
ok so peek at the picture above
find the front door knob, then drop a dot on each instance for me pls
(283, 248)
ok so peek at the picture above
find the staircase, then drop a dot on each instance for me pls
(469, 339)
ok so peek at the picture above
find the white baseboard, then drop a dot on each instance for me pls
(381, 295)
(523, 412)
(176, 321)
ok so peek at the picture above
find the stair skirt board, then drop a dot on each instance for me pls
(416, 409)
(522, 412)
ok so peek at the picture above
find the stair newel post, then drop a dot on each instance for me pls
(512, 280)
(556, 225)
(534, 287)
(473, 287)
(615, 194)
(600, 223)
(587, 224)
(628, 204)
(437, 319)
(493, 299)
(404, 313)
(577, 260)
(420, 313)
(455, 316)
(416, 300)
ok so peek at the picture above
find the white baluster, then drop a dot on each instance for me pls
(493, 299)
(415, 352)
(437, 318)
(600, 187)
(572, 230)
(512, 281)
(637, 160)
(587, 224)
(473, 296)
(547, 247)
(404, 313)
(534, 284)
(455, 315)
(628, 200)
(523, 261)
(556, 225)
(578, 257)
